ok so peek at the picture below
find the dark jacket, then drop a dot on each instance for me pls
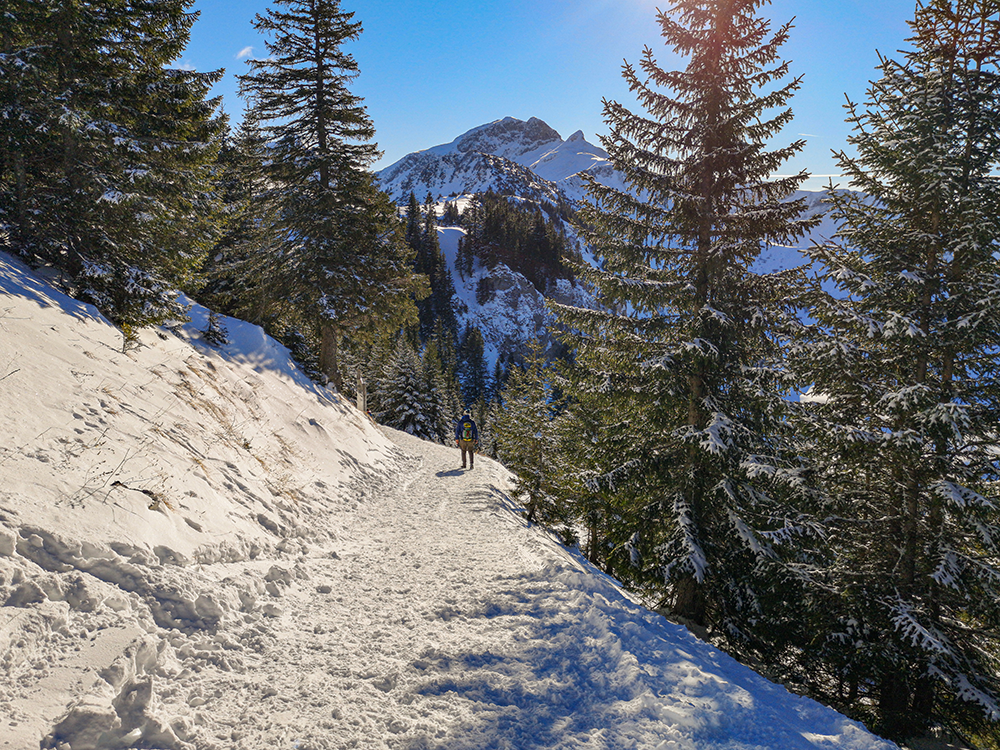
(462, 421)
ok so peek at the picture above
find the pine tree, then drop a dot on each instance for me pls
(448, 349)
(589, 443)
(245, 270)
(440, 407)
(451, 216)
(405, 400)
(685, 351)
(905, 364)
(442, 286)
(413, 227)
(472, 373)
(350, 268)
(497, 383)
(430, 262)
(106, 166)
(525, 438)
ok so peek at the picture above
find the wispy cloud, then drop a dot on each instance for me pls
(185, 65)
(243, 53)
(808, 135)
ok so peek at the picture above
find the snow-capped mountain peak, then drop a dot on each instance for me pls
(526, 158)
(509, 137)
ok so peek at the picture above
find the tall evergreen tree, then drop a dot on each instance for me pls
(405, 400)
(107, 153)
(244, 272)
(442, 287)
(413, 226)
(345, 252)
(525, 437)
(589, 443)
(472, 374)
(440, 409)
(446, 346)
(905, 363)
(686, 346)
(422, 236)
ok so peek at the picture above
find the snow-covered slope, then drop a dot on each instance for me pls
(202, 550)
(524, 158)
(780, 258)
(515, 311)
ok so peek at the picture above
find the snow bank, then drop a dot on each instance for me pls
(127, 481)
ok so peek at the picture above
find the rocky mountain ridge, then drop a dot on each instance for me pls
(524, 158)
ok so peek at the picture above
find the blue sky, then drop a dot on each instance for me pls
(432, 70)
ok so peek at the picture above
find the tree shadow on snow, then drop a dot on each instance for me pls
(17, 280)
(559, 658)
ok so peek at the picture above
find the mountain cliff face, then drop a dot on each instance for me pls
(512, 311)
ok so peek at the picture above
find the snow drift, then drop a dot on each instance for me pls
(200, 548)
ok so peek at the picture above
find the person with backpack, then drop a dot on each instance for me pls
(467, 437)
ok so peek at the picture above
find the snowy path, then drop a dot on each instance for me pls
(450, 624)
(299, 582)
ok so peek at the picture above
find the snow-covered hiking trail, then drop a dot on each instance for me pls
(201, 549)
(442, 620)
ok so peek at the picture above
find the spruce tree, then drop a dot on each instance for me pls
(107, 153)
(525, 437)
(685, 347)
(589, 441)
(245, 268)
(440, 409)
(422, 236)
(442, 287)
(413, 227)
(405, 400)
(472, 374)
(905, 366)
(447, 349)
(349, 267)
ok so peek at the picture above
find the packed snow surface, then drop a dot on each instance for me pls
(201, 549)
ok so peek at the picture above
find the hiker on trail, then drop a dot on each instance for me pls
(467, 437)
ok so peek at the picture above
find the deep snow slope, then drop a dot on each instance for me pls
(201, 550)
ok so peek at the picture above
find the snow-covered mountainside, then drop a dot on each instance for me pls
(515, 311)
(202, 550)
(528, 159)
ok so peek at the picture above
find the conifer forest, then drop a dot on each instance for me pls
(802, 466)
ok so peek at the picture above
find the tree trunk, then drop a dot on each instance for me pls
(592, 539)
(21, 200)
(328, 355)
(894, 704)
(689, 602)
